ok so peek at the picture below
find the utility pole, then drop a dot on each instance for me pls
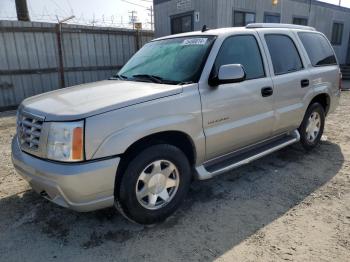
(339, 2)
(22, 10)
(152, 17)
(133, 18)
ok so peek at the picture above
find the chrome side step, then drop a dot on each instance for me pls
(242, 157)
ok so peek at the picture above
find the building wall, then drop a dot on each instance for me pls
(219, 13)
(166, 9)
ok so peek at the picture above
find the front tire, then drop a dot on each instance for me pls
(154, 184)
(311, 129)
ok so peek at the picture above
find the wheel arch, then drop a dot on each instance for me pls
(323, 99)
(176, 138)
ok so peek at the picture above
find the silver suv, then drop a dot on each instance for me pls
(185, 106)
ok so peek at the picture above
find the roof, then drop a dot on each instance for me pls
(313, 2)
(230, 30)
(278, 25)
(209, 32)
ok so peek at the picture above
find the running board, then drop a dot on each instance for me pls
(245, 156)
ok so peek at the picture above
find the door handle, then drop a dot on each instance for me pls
(304, 83)
(266, 91)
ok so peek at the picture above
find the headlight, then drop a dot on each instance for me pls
(66, 141)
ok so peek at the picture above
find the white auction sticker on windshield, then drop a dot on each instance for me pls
(195, 41)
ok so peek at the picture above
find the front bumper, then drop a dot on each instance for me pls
(82, 187)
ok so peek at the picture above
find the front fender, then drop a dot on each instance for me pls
(112, 133)
(118, 142)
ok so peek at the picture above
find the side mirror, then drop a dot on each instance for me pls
(232, 73)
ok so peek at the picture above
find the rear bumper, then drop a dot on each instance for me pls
(82, 187)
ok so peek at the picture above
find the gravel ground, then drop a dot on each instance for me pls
(291, 205)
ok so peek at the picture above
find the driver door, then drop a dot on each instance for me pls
(236, 115)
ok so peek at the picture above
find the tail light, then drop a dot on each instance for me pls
(340, 80)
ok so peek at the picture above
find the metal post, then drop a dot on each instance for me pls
(137, 39)
(60, 55)
(309, 18)
(60, 50)
(281, 21)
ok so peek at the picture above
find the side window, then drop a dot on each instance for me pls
(284, 54)
(182, 24)
(244, 50)
(272, 18)
(337, 33)
(318, 49)
(243, 18)
(299, 21)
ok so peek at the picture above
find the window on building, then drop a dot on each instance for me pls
(272, 18)
(318, 49)
(243, 18)
(337, 33)
(299, 21)
(182, 24)
(284, 54)
(244, 50)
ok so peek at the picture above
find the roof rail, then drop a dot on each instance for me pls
(276, 25)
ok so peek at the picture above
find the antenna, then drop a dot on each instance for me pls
(205, 28)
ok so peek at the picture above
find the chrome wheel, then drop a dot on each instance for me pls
(157, 184)
(313, 127)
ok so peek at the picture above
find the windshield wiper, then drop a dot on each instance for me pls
(117, 76)
(185, 83)
(153, 78)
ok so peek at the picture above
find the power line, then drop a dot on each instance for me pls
(59, 7)
(70, 6)
(134, 4)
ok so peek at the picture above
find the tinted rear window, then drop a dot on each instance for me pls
(284, 55)
(318, 49)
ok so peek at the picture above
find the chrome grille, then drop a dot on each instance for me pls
(29, 130)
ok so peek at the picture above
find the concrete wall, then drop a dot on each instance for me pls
(29, 60)
(219, 13)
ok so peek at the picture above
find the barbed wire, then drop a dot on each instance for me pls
(100, 21)
(63, 9)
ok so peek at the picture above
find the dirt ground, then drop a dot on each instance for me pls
(291, 205)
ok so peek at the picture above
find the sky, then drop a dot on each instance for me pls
(106, 12)
(101, 11)
(345, 3)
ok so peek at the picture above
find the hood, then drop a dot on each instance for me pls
(86, 100)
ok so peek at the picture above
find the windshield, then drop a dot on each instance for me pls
(173, 61)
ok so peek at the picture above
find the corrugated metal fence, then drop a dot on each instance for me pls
(31, 61)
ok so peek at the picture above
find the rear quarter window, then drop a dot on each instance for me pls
(318, 49)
